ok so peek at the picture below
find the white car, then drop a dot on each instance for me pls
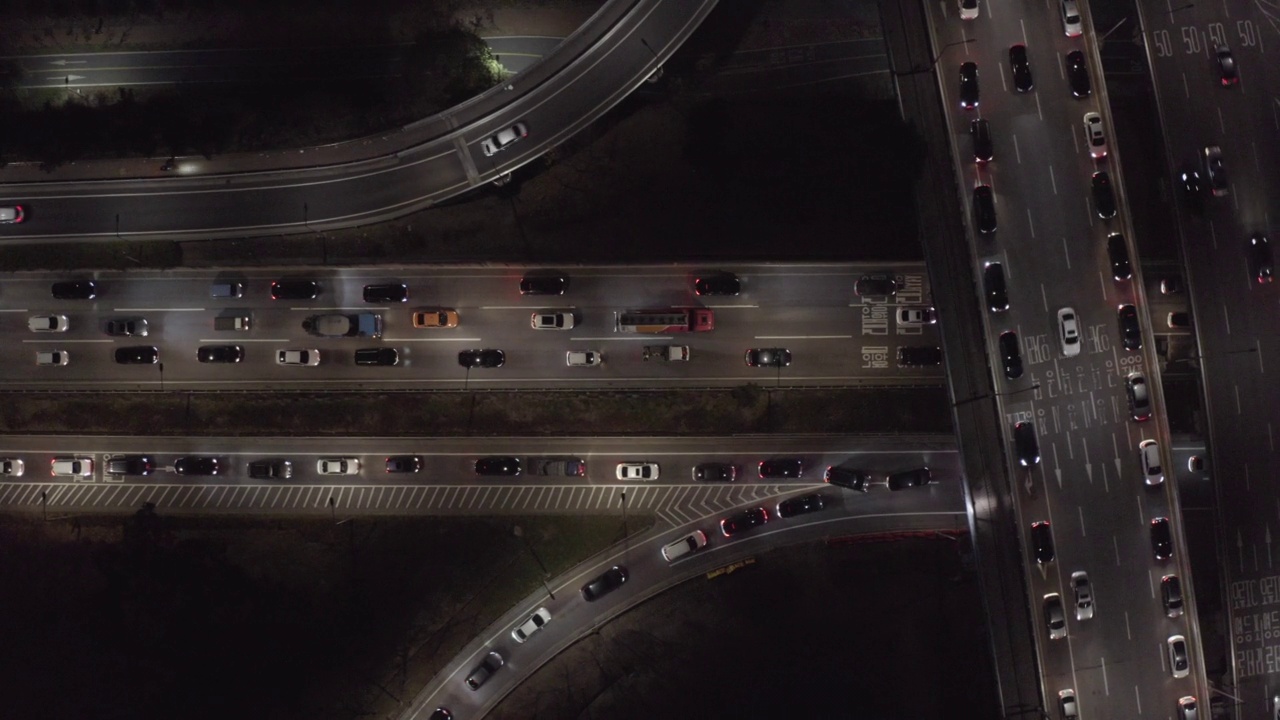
(52, 357)
(338, 466)
(47, 323)
(558, 320)
(1084, 595)
(1094, 135)
(505, 137)
(1067, 702)
(968, 9)
(690, 543)
(535, 622)
(298, 357)
(638, 471)
(1179, 663)
(72, 467)
(1149, 456)
(916, 316)
(1071, 24)
(583, 358)
(12, 467)
(1069, 332)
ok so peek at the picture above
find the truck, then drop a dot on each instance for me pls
(666, 353)
(558, 466)
(337, 325)
(670, 320)
(232, 322)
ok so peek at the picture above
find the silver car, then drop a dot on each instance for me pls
(1095, 136)
(1054, 617)
(47, 323)
(1149, 456)
(503, 139)
(1179, 664)
(690, 543)
(540, 617)
(1084, 595)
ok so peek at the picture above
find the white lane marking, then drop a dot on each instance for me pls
(803, 337)
(731, 307)
(360, 308)
(15, 310)
(157, 309)
(60, 341)
(237, 341)
(440, 339)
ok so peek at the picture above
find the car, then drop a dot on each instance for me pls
(583, 358)
(540, 617)
(1042, 542)
(1070, 18)
(1171, 595)
(1078, 75)
(877, 285)
(1135, 386)
(1178, 320)
(715, 472)
(1069, 332)
(801, 505)
(294, 289)
(127, 327)
(12, 467)
(52, 357)
(1010, 354)
(1021, 68)
(637, 471)
(1118, 254)
(1161, 538)
(1054, 616)
(917, 316)
(1260, 258)
(608, 581)
(968, 9)
(984, 209)
(441, 714)
(130, 465)
(993, 285)
(381, 356)
(1130, 331)
(919, 356)
(1187, 709)
(71, 467)
(137, 355)
(980, 134)
(543, 285)
(768, 357)
(916, 477)
(338, 466)
(720, 283)
(1083, 590)
(777, 468)
(1179, 665)
(12, 214)
(220, 354)
(1149, 457)
(1189, 184)
(298, 357)
(1195, 463)
(197, 465)
(1171, 285)
(1026, 444)
(75, 290)
(498, 466)
(435, 318)
(482, 358)
(1067, 705)
(557, 320)
(1095, 136)
(491, 664)
(1227, 74)
(1103, 198)
(503, 139)
(744, 521)
(47, 323)
(1215, 171)
(690, 543)
(847, 478)
(969, 86)
(226, 289)
(271, 469)
(403, 464)
(386, 292)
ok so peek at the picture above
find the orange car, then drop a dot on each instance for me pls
(435, 318)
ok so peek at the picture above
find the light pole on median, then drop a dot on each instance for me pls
(985, 396)
(916, 70)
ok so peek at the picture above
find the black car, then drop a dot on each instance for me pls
(1021, 68)
(721, 283)
(480, 675)
(715, 472)
(404, 464)
(1135, 387)
(781, 468)
(1119, 256)
(130, 465)
(1161, 538)
(1226, 66)
(378, 356)
(919, 356)
(748, 519)
(1011, 354)
(1103, 198)
(969, 86)
(1260, 258)
(916, 477)
(876, 285)
(1192, 189)
(800, 505)
(994, 285)
(387, 292)
(984, 209)
(196, 465)
(980, 134)
(75, 290)
(499, 466)
(481, 358)
(1028, 447)
(294, 289)
(271, 469)
(1216, 172)
(1042, 542)
(220, 354)
(543, 285)
(610, 580)
(1130, 331)
(1078, 74)
(441, 714)
(137, 355)
(768, 357)
(847, 478)
(1171, 595)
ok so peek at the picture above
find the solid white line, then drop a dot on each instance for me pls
(650, 338)
(729, 307)
(442, 339)
(63, 340)
(343, 309)
(15, 310)
(237, 341)
(803, 337)
(157, 309)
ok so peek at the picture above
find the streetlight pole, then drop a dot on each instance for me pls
(985, 396)
(915, 70)
(519, 532)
